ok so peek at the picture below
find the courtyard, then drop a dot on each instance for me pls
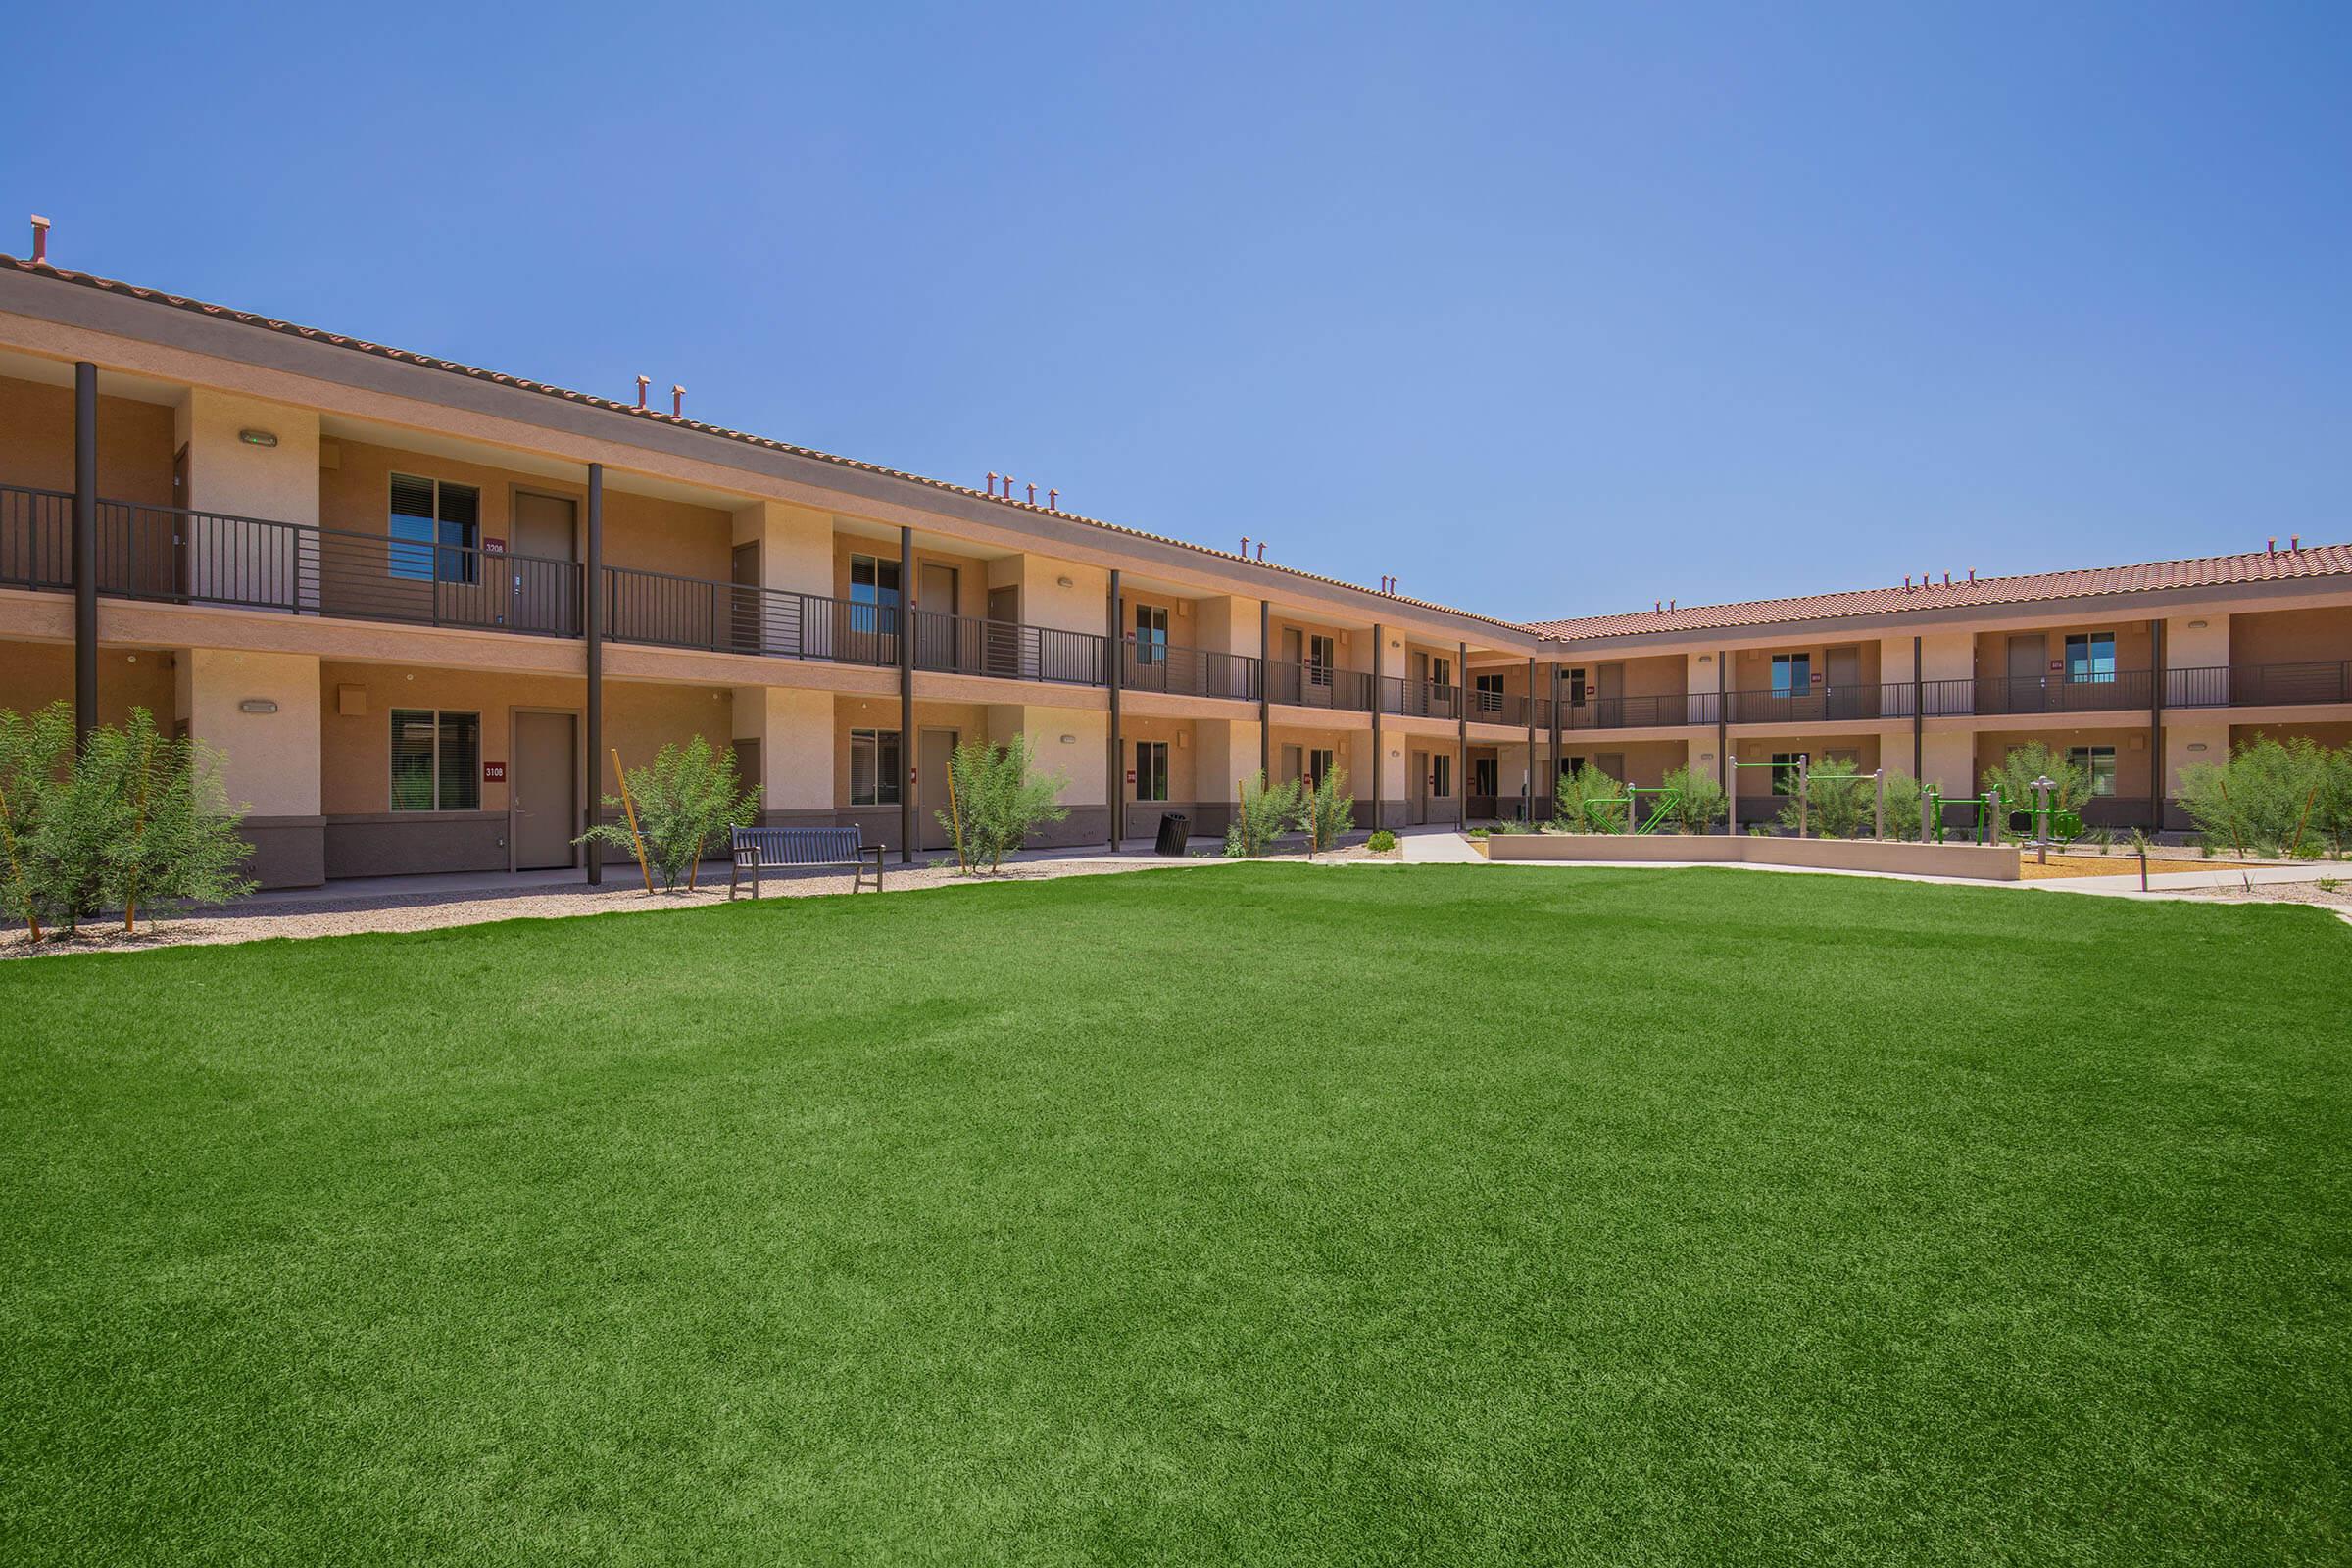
(1376, 1214)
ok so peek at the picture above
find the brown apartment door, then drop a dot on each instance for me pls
(745, 621)
(1843, 695)
(931, 788)
(1420, 811)
(936, 646)
(543, 793)
(1003, 632)
(2023, 690)
(541, 597)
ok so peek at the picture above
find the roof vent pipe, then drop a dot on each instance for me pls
(2272, 544)
(2294, 541)
(1261, 550)
(1053, 499)
(677, 403)
(1906, 582)
(643, 383)
(1245, 547)
(992, 481)
(1033, 495)
(1947, 579)
(40, 240)
(1972, 574)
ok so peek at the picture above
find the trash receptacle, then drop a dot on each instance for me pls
(1174, 829)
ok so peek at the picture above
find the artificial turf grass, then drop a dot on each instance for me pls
(1245, 1213)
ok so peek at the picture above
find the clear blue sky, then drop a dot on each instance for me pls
(1549, 311)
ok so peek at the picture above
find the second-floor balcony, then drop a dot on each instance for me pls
(1151, 665)
(175, 556)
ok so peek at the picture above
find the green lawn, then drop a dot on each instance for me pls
(1250, 1214)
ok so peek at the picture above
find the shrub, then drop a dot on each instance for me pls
(1840, 801)
(1698, 801)
(994, 802)
(1265, 814)
(1326, 811)
(135, 820)
(1588, 801)
(2294, 794)
(2015, 777)
(1904, 806)
(1381, 842)
(684, 804)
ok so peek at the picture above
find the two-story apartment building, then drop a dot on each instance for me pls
(416, 607)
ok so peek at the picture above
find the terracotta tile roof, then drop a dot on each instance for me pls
(360, 345)
(2204, 571)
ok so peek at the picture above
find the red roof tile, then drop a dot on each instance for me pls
(360, 345)
(2204, 571)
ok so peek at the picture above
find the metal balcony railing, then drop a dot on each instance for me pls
(2326, 680)
(1003, 649)
(1154, 666)
(673, 612)
(1419, 699)
(1346, 691)
(2121, 689)
(1636, 712)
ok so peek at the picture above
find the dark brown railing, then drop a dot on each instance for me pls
(1636, 712)
(2260, 685)
(1346, 691)
(1820, 705)
(672, 612)
(1188, 672)
(36, 538)
(1419, 699)
(966, 645)
(2037, 693)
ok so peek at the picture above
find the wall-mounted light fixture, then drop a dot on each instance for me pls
(1069, 740)
(258, 438)
(2196, 746)
(2196, 626)
(1707, 659)
(1063, 582)
(257, 705)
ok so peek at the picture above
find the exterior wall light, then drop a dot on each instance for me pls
(257, 705)
(258, 438)
(1063, 582)
(1069, 740)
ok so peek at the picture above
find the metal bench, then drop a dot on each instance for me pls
(761, 848)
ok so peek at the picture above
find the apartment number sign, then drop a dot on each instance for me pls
(494, 547)
(494, 772)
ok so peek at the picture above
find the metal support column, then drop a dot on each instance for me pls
(85, 552)
(2156, 727)
(1552, 777)
(592, 629)
(1379, 752)
(1461, 732)
(1115, 661)
(1918, 714)
(1530, 741)
(1723, 742)
(907, 735)
(1266, 691)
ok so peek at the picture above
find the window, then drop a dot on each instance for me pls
(435, 529)
(1441, 673)
(1321, 658)
(873, 768)
(437, 760)
(1570, 766)
(2097, 763)
(1150, 770)
(2090, 657)
(873, 599)
(1441, 775)
(1785, 768)
(1490, 700)
(1792, 674)
(1318, 765)
(1151, 642)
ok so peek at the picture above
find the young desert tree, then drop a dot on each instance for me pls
(685, 804)
(1326, 811)
(1588, 801)
(135, 821)
(35, 750)
(172, 838)
(1264, 815)
(1698, 801)
(2288, 796)
(2014, 778)
(1839, 799)
(996, 801)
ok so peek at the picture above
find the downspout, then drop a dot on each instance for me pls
(592, 627)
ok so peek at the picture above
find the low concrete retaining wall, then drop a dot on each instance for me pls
(1980, 862)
